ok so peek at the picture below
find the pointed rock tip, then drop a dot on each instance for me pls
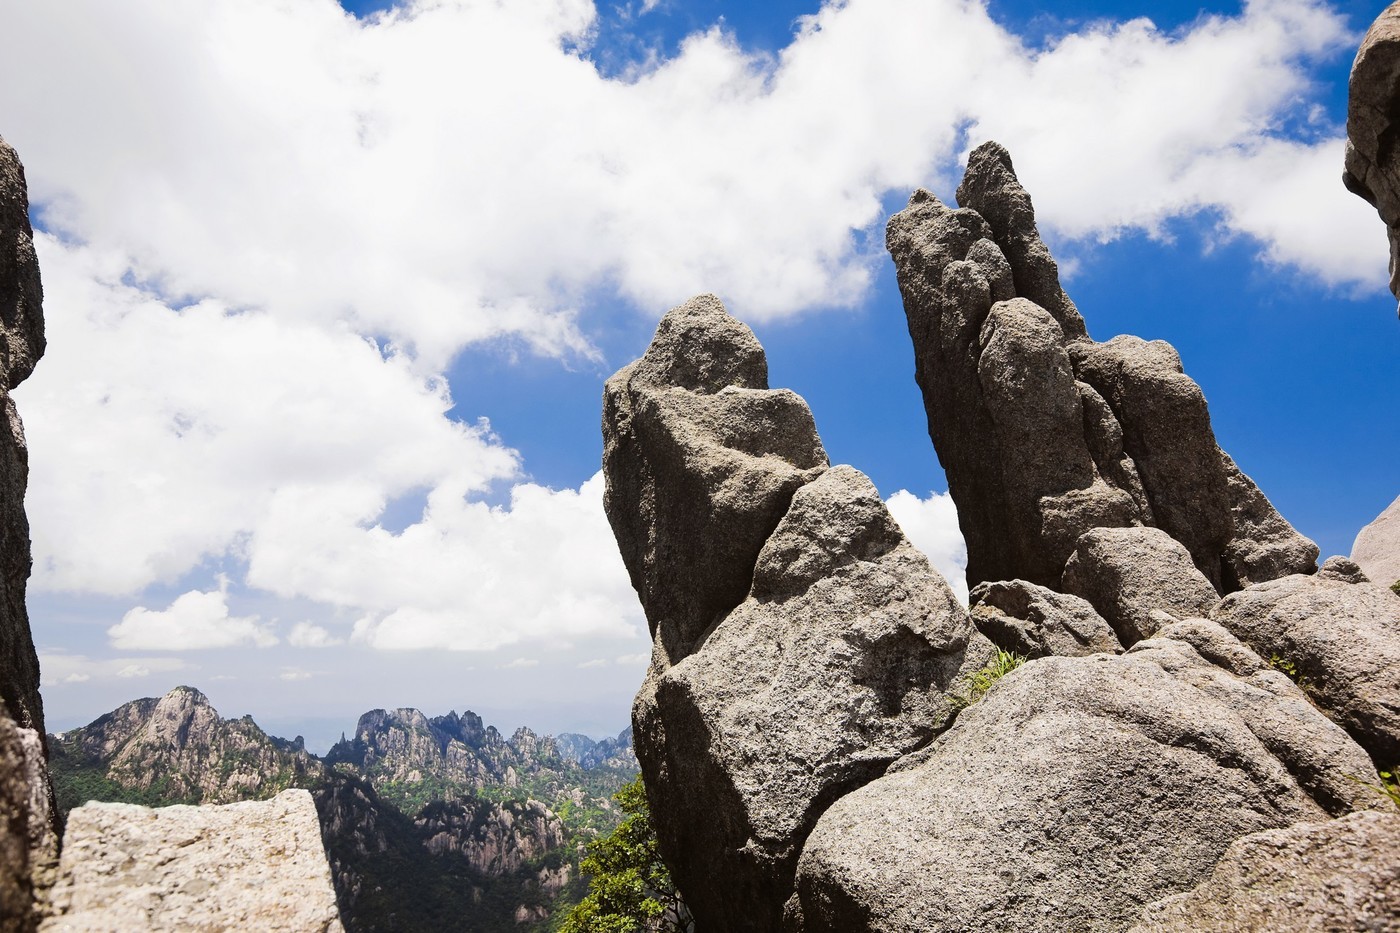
(700, 346)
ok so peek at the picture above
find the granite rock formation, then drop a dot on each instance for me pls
(257, 865)
(817, 647)
(27, 816)
(1034, 622)
(1373, 120)
(1343, 874)
(1045, 434)
(1342, 640)
(1377, 547)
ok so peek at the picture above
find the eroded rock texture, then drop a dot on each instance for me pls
(27, 795)
(1078, 790)
(1034, 622)
(826, 647)
(1045, 434)
(257, 865)
(1373, 120)
(1341, 638)
(1340, 875)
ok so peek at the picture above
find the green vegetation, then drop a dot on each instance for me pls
(975, 685)
(629, 888)
(1395, 587)
(1389, 787)
(1290, 670)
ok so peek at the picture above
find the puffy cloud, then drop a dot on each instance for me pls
(195, 620)
(932, 526)
(310, 635)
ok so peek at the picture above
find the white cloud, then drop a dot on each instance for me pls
(595, 662)
(350, 203)
(295, 674)
(932, 526)
(310, 635)
(195, 620)
(520, 663)
(63, 668)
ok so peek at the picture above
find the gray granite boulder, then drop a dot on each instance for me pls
(1341, 639)
(1339, 875)
(1075, 793)
(28, 842)
(258, 865)
(1377, 547)
(1034, 622)
(700, 459)
(1127, 573)
(1045, 434)
(1373, 94)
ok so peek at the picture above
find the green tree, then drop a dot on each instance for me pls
(629, 888)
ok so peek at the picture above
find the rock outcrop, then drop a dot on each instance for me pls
(1341, 639)
(1044, 434)
(1034, 622)
(817, 648)
(1075, 792)
(1373, 121)
(1343, 874)
(27, 814)
(257, 865)
(1377, 547)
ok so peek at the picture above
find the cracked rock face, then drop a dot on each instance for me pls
(1034, 622)
(1372, 163)
(1076, 791)
(836, 658)
(1045, 434)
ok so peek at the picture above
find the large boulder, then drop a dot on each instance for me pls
(1034, 622)
(1130, 574)
(839, 654)
(28, 842)
(1340, 639)
(1077, 791)
(1045, 434)
(1343, 874)
(700, 459)
(258, 865)
(1372, 164)
(1377, 547)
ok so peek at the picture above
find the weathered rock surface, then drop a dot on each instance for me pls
(836, 658)
(21, 709)
(1336, 876)
(1077, 791)
(1045, 434)
(1127, 573)
(28, 843)
(701, 460)
(1034, 622)
(258, 865)
(1377, 547)
(1372, 163)
(1344, 638)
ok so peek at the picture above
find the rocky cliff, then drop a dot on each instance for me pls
(28, 829)
(1373, 121)
(830, 742)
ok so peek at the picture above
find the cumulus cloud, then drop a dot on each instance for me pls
(272, 226)
(195, 620)
(932, 526)
(310, 635)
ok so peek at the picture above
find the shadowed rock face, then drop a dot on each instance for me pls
(1373, 122)
(26, 799)
(1045, 434)
(838, 654)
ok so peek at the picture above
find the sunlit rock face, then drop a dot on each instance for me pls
(802, 644)
(1045, 434)
(28, 843)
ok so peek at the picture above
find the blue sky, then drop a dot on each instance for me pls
(331, 300)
